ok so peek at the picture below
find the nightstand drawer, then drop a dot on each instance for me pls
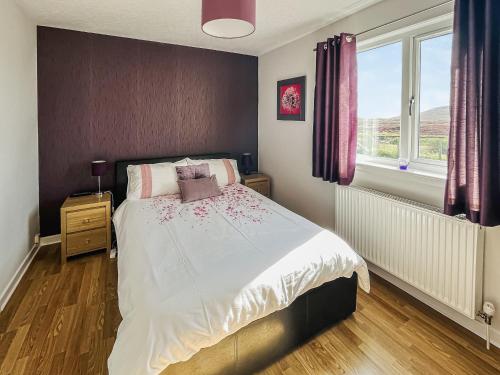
(84, 241)
(78, 221)
(261, 187)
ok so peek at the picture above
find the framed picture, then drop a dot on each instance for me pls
(291, 99)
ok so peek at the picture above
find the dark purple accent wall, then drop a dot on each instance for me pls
(111, 98)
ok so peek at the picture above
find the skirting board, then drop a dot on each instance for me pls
(23, 267)
(474, 326)
(49, 240)
(18, 275)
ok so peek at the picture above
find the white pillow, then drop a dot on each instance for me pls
(152, 180)
(226, 170)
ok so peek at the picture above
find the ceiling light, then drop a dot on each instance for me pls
(228, 18)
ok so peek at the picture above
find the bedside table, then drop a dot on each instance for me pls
(258, 182)
(85, 225)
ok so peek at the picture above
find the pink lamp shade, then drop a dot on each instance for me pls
(99, 168)
(228, 18)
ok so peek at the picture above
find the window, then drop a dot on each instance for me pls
(433, 122)
(379, 116)
(403, 97)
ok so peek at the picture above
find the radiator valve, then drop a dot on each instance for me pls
(487, 314)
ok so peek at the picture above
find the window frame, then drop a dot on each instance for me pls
(415, 142)
(369, 45)
(410, 37)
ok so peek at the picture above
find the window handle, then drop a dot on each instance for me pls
(412, 102)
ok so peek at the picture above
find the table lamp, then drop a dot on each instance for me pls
(246, 162)
(99, 168)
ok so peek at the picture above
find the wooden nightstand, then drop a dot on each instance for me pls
(85, 225)
(258, 182)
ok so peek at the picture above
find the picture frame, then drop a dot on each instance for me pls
(291, 99)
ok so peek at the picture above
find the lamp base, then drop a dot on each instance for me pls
(99, 193)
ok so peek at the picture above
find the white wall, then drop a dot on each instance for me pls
(285, 148)
(18, 140)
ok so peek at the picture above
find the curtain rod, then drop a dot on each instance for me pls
(402, 18)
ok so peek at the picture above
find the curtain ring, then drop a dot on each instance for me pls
(348, 38)
(325, 46)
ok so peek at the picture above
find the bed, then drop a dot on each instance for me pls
(225, 284)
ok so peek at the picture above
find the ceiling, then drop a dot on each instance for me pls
(178, 21)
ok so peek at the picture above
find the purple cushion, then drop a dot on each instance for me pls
(190, 172)
(199, 188)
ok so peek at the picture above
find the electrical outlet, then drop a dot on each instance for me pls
(36, 240)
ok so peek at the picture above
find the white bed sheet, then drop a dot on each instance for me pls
(191, 274)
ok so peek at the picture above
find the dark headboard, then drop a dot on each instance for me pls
(121, 179)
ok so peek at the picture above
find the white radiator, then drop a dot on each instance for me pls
(440, 255)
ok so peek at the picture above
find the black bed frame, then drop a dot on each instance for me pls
(265, 340)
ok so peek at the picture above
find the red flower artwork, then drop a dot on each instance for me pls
(291, 99)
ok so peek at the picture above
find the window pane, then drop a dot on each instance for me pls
(379, 101)
(435, 75)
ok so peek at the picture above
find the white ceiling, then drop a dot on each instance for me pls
(178, 21)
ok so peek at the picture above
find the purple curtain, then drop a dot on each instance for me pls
(473, 184)
(335, 110)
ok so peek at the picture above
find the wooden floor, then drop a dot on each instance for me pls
(63, 320)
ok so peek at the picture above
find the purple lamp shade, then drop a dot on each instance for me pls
(228, 18)
(99, 168)
(246, 162)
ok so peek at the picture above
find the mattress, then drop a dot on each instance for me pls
(190, 275)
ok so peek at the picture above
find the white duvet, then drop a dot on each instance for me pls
(191, 274)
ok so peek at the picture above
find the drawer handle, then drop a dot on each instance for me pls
(86, 221)
(87, 241)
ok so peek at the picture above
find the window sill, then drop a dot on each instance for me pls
(419, 176)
